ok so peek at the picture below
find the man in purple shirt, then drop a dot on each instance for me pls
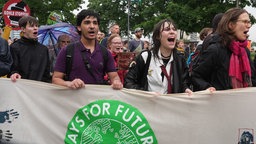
(89, 49)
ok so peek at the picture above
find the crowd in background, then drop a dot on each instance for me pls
(166, 65)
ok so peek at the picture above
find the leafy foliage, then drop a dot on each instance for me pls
(189, 15)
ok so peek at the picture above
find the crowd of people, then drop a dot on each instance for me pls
(163, 67)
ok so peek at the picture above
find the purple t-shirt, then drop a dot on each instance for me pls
(78, 67)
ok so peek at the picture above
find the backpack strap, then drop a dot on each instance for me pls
(145, 66)
(148, 60)
(104, 52)
(88, 66)
(69, 60)
(144, 69)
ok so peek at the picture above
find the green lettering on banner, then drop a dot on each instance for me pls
(109, 121)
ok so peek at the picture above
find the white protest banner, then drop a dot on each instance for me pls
(39, 113)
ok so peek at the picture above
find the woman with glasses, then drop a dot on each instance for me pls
(115, 45)
(226, 63)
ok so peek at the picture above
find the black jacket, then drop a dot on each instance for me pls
(30, 60)
(254, 61)
(136, 78)
(5, 57)
(213, 67)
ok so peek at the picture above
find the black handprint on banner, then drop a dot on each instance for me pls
(8, 116)
(5, 136)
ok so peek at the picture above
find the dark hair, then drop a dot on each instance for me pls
(28, 19)
(86, 13)
(215, 21)
(157, 34)
(230, 16)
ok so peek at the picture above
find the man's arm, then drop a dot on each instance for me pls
(115, 80)
(57, 78)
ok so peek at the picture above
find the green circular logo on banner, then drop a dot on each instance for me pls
(109, 121)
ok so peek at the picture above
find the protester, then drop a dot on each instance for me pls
(206, 39)
(215, 21)
(100, 36)
(30, 58)
(147, 45)
(5, 57)
(193, 48)
(195, 54)
(88, 66)
(115, 46)
(226, 64)
(62, 41)
(136, 44)
(125, 46)
(204, 33)
(114, 29)
(160, 69)
(181, 47)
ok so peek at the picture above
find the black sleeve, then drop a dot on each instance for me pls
(131, 80)
(253, 68)
(201, 75)
(136, 78)
(254, 61)
(186, 78)
(16, 60)
(46, 75)
(5, 58)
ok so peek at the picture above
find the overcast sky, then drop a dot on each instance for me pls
(251, 10)
(252, 31)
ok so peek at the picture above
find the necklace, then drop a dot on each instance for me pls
(165, 57)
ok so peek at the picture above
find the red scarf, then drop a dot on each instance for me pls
(239, 66)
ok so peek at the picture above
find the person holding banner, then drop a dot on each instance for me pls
(160, 69)
(30, 58)
(88, 63)
(226, 62)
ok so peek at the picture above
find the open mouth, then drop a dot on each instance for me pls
(91, 32)
(171, 39)
(35, 33)
(246, 33)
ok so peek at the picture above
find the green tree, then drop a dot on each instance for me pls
(41, 9)
(253, 44)
(189, 15)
